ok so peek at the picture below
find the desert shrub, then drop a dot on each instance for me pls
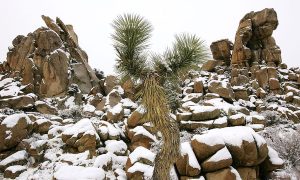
(286, 141)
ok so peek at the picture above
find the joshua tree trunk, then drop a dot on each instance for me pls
(155, 102)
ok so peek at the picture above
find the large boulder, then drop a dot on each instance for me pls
(221, 88)
(200, 113)
(13, 129)
(221, 50)
(246, 147)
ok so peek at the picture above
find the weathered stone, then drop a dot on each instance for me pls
(198, 86)
(136, 116)
(210, 65)
(18, 158)
(221, 159)
(43, 58)
(116, 113)
(109, 83)
(223, 174)
(18, 102)
(274, 84)
(272, 161)
(221, 50)
(203, 147)
(254, 41)
(200, 113)
(13, 129)
(82, 136)
(187, 164)
(221, 88)
(247, 173)
(13, 172)
(237, 120)
(45, 108)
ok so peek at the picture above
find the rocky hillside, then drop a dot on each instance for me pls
(60, 119)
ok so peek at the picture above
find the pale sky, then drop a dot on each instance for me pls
(211, 20)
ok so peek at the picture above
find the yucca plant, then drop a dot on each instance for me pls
(156, 78)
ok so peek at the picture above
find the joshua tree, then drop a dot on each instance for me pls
(130, 40)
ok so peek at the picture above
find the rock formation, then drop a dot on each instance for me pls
(50, 59)
(253, 40)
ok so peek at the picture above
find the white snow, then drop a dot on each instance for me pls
(220, 104)
(116, 109)
(186, 149)
(256, 126)
(116, 147)
(221, 120)
(70, 102)
(11, 90)
(141, 153)
(237, 116)
(79, 173)
(274, 158)
(108, 127)
(236, 173)
(140, 130)
(141, 109)
(88, 108)
(128, 103)
(222, 154)
(20, 155)
(201, 109)
(139, 167)
(82, 126)
(230, 135)
(188, 104)
(6, 81)
(209, 139)
(12, 120)
(15, 168)
(75, 159)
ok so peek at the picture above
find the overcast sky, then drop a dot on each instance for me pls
(211, 20)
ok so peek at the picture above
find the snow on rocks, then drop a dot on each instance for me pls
(18, 102)
(223, 174)
(221, 159)
(237, 120)
(116, 113)
(140, 171)
(117, 147)
(78, 173)
(14, 171)
(187, 164)
(18, 158)
(201, 113)
(273, 161)
(139, 136)
(45, 108)
(13, 129)
(136, 116)
(82, 136)
(246, 147)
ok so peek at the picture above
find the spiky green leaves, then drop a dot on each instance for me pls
(187, 51)
(130, 39)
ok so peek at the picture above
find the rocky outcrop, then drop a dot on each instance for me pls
(50, 59)
(254, 41)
